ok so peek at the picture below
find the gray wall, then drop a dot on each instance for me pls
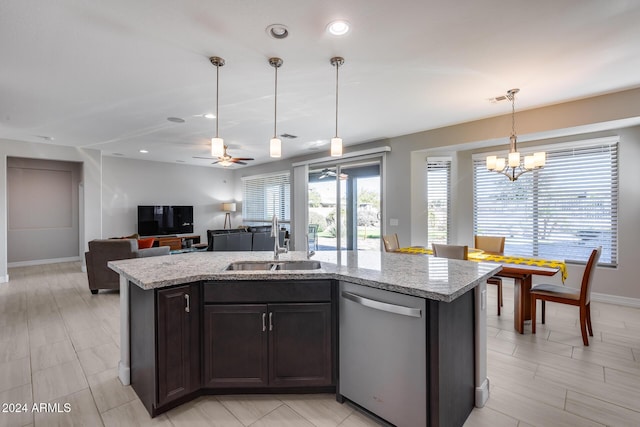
(43, 210)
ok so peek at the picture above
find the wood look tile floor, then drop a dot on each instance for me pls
(59, 344)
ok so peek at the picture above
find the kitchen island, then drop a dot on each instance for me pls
(448, 289)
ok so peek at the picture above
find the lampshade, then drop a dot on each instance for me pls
(217, 147)
(229, 207)
(275, 147)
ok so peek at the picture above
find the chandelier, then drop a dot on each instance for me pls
(217, 143)
(336, 141)
(512, 167)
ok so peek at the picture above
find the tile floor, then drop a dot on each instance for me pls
(59, 345)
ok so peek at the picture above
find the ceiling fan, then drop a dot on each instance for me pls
(326, 172)
(226, 160)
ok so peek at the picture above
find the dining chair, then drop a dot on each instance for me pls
(391, 243)
(450, 251)
(566, 295)
(492, 245)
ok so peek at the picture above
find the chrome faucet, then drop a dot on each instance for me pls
(275, 232)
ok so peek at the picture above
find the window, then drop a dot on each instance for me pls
(438, 205)
(264, 196)
(560, 212)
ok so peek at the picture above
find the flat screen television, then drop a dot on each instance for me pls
(162, 220)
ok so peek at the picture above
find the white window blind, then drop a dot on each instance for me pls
(438, 195)
(562, 211)
(266, 195)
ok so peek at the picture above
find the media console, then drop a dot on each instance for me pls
(176, 242)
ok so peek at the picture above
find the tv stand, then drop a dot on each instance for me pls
(176, 242)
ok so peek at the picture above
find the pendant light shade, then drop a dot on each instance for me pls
(336, 141)
(217, 143)
(275, 145)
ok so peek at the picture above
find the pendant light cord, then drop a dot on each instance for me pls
(275, 106)
(337, 67)
(217, 94)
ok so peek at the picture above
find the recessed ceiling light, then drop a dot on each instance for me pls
(144, 151)
(209, 116)
(338, 28)
(175, 119)
(277, 31)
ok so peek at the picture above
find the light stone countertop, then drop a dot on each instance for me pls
(428, 277)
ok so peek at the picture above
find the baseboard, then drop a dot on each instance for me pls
(614, 299)
(4, 278)
(42, 261)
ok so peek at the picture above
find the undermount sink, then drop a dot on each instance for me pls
(273, 265)
(249, 266)
(298, 265)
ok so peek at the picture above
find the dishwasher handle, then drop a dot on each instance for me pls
(382, 306)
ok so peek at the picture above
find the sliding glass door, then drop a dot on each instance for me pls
(344, 208)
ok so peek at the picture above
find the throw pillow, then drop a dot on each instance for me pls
(145, 243)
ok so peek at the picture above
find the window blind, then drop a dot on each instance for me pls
(438, 203)
(266, 195)
(562, 211)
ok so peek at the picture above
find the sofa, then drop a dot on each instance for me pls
(102, 251)
(243, 239)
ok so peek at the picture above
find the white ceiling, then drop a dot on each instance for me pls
(107, 75)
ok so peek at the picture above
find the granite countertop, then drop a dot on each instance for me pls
(428, 277)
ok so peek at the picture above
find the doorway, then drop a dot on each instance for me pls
(344, 206)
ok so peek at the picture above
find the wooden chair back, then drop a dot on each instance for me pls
(450, 251)
(391, 243)
(587, 276)
(490, 244)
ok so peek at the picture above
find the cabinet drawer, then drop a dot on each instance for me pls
(261, 291)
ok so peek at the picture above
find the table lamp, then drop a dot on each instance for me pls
(227, 208)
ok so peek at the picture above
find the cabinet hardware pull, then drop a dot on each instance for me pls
(264, 322)
(271, 321)
(187, 307)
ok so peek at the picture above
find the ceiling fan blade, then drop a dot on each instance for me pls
(240, 163)
(207, 158)
(217, 161)
(243, 158)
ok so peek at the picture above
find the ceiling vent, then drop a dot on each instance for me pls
(498, 99)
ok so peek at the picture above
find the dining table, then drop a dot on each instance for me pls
(519, 268)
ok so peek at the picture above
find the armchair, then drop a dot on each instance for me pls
(104, 250)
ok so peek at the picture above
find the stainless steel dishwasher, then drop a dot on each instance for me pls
(383, 353)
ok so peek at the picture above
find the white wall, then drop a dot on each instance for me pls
(90, 224)
(128, 183)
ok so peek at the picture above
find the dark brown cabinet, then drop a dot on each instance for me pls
(178, 342)
(300, 344)
(235, 343)
(165, 336)
(265, 339)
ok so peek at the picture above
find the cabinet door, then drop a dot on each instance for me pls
(235, 345)
(178, 339)
(300, 344)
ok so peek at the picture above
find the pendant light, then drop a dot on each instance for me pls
(217, 143)
(336, 141)
(275, 145)
(512, 167)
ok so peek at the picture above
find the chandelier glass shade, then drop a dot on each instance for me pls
(514, 165)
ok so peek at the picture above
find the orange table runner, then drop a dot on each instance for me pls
(476, 255)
